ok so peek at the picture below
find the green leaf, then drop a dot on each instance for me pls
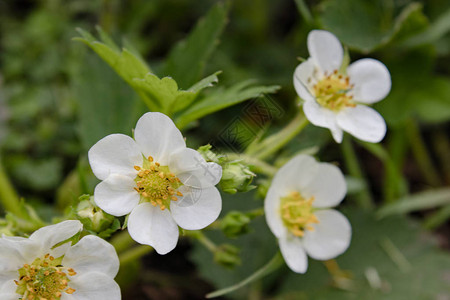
(438, 29)
(165, 91)
(368, 24)
(106, 103)
(125, 63)
(416, 91)
(419, 201)
(222, 98)
(187, 59)
(257, 248)
(387, 259)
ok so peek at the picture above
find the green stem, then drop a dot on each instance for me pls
(134, 254)
(271, 266)
(8, 196)
(363, 198)
(122, 241)
(304, 11)
(203, 239)
(421, 154)
(442, 148)
(397, 182)
(395, 186)
(276, 141)
(258, 165)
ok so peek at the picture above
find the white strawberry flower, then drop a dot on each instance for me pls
(335, 98)
(157, 180)
(40, 267)
(297, 209)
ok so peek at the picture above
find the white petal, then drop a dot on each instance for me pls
(192, 169)
(328, 186)
(152, 226)
(371, 79)
(8, 290)
(197, 208)
(94, 286)
(115, 153)
(272, 210)
(116, 195)
(330, 237)
(362, 122)
(92, 254)
(326, 50)
(304, 71)
(322, 117)
(157, 136)
(15, 251)
(294, 254)
(49, 236)
(8, 277)
(296, 174)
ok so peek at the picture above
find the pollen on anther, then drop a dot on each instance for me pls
(137, 168)
(150, 159)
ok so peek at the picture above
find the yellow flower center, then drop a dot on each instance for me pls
(297, 213)
(44, 279)
(332, 91)
(156, 184)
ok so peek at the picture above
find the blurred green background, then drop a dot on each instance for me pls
(57, 98)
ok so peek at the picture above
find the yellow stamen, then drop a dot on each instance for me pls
(297, 213)
(332, 91)
(156, 184)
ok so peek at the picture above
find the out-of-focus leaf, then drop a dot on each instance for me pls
(439, 28)
(222, 98)
(423, 200)
(187, 59)
(369, 24)
(125, 63)
(39, 174)
(106, 103)
(257, 248)
(387, 259)
(415, 90)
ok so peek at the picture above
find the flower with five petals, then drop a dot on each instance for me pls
(297, 209)
(335, 98)
(157, 180)
(47, 266)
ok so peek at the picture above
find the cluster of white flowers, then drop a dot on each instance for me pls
(47, 266)
(161, 184)
(335, 98)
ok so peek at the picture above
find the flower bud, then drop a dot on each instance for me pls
(93, 218)
(236, 176)
(235, 223)
(227, 256)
